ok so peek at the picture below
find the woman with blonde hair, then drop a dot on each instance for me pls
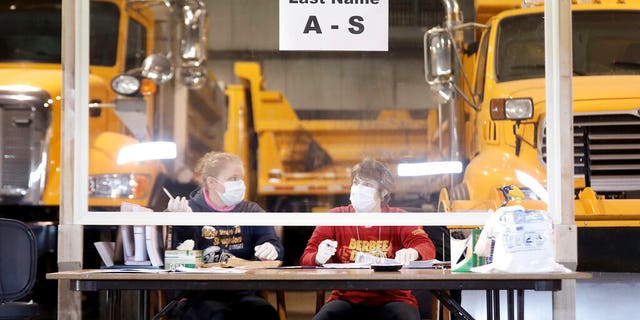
(223, 190)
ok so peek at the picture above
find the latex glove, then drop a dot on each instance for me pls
(406, 255)
(326, 249)
(178, 204)
(266, 251)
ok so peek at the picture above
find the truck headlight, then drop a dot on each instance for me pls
(128, 186)
(511, 109)
(126, 85)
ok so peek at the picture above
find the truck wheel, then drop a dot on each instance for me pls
(444, 203)
(460, 192)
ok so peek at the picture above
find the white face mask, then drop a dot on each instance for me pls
(363, 198)
(233, 192)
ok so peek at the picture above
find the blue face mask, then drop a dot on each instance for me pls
(233, 192)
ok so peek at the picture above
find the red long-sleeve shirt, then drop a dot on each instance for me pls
(387, 239)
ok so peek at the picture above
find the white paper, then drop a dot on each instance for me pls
(126, 270)
(140, 252)
(346, 266)
(154, 245)
(422, 264)
(334, 25)
(127, 241)
(106, 251)
(210, 270)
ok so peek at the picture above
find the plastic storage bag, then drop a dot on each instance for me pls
(523, 242)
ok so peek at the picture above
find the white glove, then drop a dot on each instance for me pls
(266, 251)
(404, 256)
(178, 204)
(326, 249)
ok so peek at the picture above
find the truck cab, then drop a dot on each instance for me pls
(509, 85)
(31, 96)
(498, 86)
(31, 101)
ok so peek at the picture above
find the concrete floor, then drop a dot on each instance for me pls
(300, 306)
(605, 296)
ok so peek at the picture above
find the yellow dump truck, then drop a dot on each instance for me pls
(122, 36)
(312, 158)
(124, 109)
(31, 96)
(303, 164)
(495, 82)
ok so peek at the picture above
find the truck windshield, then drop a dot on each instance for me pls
(30, 31)
(604, 43)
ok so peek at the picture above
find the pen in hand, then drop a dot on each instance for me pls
(177, 204)
(167, 193)
(326, 249)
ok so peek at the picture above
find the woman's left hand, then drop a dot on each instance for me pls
(406, 255)
(266, 251)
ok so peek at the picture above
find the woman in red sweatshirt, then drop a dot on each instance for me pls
(371, 184)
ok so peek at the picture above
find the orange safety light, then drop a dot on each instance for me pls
(147, 87)
(140, 186)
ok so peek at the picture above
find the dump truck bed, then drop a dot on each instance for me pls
(315, 156)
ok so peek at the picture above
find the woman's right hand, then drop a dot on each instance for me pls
(179, 204)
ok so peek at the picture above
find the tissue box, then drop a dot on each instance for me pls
(184, 258)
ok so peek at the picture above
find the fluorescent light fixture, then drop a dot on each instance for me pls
(533, 184)
(147, 151)
(429, 168)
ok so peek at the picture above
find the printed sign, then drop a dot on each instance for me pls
(334, 25)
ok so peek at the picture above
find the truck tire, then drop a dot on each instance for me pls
(444, 202)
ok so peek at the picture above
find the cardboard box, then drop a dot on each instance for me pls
(185, 258)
